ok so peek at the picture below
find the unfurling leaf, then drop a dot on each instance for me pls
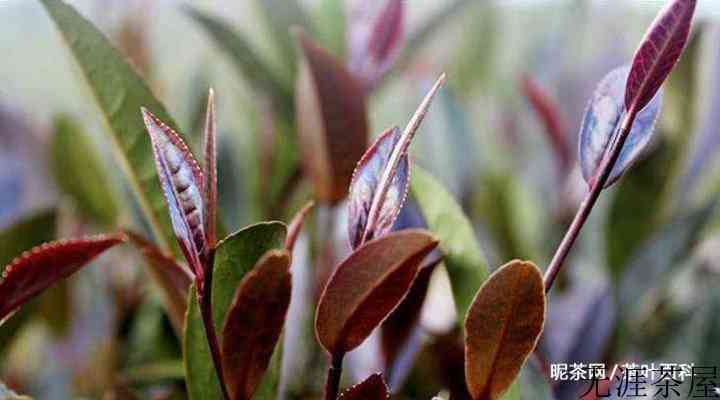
(502, 328)
(296, 226)
(367, 286)
(174, 278)
(380, 182)
(332, 122)
(658, 53)
(372, 388)
(40, 267)
(183, 185)
(373, 53)
(254, 323)
(210, 184)
(601, 125)
(365, 184)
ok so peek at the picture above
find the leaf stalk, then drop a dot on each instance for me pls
(332, 385)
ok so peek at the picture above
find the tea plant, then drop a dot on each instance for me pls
(228, 299)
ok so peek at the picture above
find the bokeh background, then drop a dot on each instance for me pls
(644, 276)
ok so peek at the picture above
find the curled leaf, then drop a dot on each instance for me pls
(210, 193)
(40, 267)
(601, 123)
(332, 122)
(364, 186)
(658, 53)
(502, 328)
(380, 182)
(254, 323)
(296, 226)
(372, 388)
(374, 52)
(183, 185)
(367, 286)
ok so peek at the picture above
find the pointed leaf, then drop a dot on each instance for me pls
(463, 256)
(235, 256)
(296, 226)
(658, 53)
(174, 279)
(367, 286)
(365, 184)
(183, 185)
(601, 122)
(332, 122)
(254, 323)
(40, 267)
(380, 182)
(372, 53)
(372, 388)
(119, 92)
(502, 328)
(79, 172)
(210, 193)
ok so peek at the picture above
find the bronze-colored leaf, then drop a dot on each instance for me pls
(331, 121)
(502, 328)
(40, 267)
(254, 323)
(367, 286)
(296, 226)
(210, 195)
(372, 388)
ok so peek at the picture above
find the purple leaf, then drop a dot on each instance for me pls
(364, 186)
(210, 172)
(380, 182)
(600, 127)
(376, 48)
(183, 187)
(659, 50)
(40, 267)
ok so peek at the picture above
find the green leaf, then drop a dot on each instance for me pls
(119, 92)
(280, 16)
(463, 257)
(330, 25)
(235, 256)
(248, 64)
(79, 172)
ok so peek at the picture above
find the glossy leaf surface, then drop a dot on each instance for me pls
(367, 286)
(183, 185)
(40, 267)
(502, 328)
(235, 256)
(79, 172)
(254, 323)
(332, 122)
(365, 184)
(463, 256)
(119, 92)
(659, 50)
(601, 122)
(372, 388)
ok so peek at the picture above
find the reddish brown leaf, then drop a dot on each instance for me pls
(332, 121)
(40, 267)
(183, 184)
(372, 388)
(502, 328)
(254, 323)
(367, 286)
(549, 113)
(173, 278)
(296, 226)
(210, 194)
(659, 50)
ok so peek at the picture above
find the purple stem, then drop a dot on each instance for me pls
(332, 385)
(597, 184)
